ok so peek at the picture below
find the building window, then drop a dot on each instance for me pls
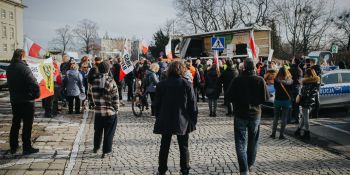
(12, 33)
(11, 16)
(4, 33)
(5, 47)
(3, 13)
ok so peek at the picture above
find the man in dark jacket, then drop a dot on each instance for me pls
(116, 71)
(297, 74)
(247, 93)
(226, 78)
(176, 114)
(23, 89)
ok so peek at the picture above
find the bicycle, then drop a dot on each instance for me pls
(139, 104)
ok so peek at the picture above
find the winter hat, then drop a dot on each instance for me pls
(103, 67)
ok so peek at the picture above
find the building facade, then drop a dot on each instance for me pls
(110, 47)
(11, 27)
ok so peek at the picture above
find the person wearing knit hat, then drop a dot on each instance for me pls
(104, 92)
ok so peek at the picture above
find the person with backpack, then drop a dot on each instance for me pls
(150, 83)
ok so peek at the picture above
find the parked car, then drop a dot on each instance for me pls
(334, 92)
(3, 79)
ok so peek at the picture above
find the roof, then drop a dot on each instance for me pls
(237, 30)
(14, 3)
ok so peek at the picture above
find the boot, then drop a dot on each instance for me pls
(306, 135)
(297, 132)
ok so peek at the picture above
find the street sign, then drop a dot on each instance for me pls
(334, 49)
(218, 43)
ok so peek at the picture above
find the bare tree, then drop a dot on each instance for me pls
(305, 22)
(255, 12)
(342, 23)
(63, 39)
(86, 32)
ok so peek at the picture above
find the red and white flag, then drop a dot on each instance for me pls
(168, 52)
(144, 47)
(126, 66)
(32, 49)
(252, 45)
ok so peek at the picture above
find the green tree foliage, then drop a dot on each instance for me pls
(160, 41)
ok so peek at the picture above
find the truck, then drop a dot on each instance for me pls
(236, 43)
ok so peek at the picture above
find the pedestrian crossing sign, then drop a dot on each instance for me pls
(218, 43)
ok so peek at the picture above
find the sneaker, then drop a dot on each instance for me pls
(282, 137)
(95, 150)
(30, 151)
(297, 133)
(272, 136)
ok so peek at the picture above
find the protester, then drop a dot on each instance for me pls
(105, 98)
(177, 111)
(129, 80)
(47, 102)
(282, 103)
(116, 72)
(150, 82)
(200, 88)
(247, 93)
(23, 89)
(212, 87)
(226, 78)
(297, 74)
(188, 75)
(90, 78)
(84, 70)
(64, 67)
(318, 71)
(58, 85)
(73, 85)
(307, 98)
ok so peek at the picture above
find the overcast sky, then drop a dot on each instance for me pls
(120, 18)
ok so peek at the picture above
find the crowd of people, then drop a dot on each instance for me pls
(174, 87)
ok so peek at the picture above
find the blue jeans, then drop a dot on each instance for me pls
(246, 140)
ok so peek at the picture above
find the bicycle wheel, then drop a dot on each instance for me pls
(137, 106)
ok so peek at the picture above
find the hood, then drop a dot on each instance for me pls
(72, 73)
(311, 80)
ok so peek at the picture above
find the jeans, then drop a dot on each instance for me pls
(164, 152)
(295, 106)
(213, 103)
(305, 118)
(70, 104)
(246, 140)
(107, 127)
(22, 111)
(282, 113)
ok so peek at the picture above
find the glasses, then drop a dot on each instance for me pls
(85, 67)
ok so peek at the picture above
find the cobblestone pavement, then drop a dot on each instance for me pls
(135, 149)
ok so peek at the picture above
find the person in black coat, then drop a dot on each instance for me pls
(297, 74)
(212, 87)
(307, 96)
(226, 78)
(24, 89)
(176, 114)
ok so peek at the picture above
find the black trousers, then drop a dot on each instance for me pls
(130, 91)
(164, 152)
(22, 111)
(120, 91)
(71, 99)
(153, 109)
(105, 126)
(48, 105)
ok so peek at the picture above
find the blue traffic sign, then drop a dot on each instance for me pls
(218, 43)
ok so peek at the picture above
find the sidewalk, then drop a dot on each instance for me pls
(136, 149)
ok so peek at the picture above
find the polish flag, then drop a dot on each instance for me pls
(144, 47)
(126, 66)
(32, 49)
(252, 45)
(168, 52)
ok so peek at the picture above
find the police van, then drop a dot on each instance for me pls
(335, 88)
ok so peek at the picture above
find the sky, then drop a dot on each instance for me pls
(120, 18)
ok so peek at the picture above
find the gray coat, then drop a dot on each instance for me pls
(73, 83)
